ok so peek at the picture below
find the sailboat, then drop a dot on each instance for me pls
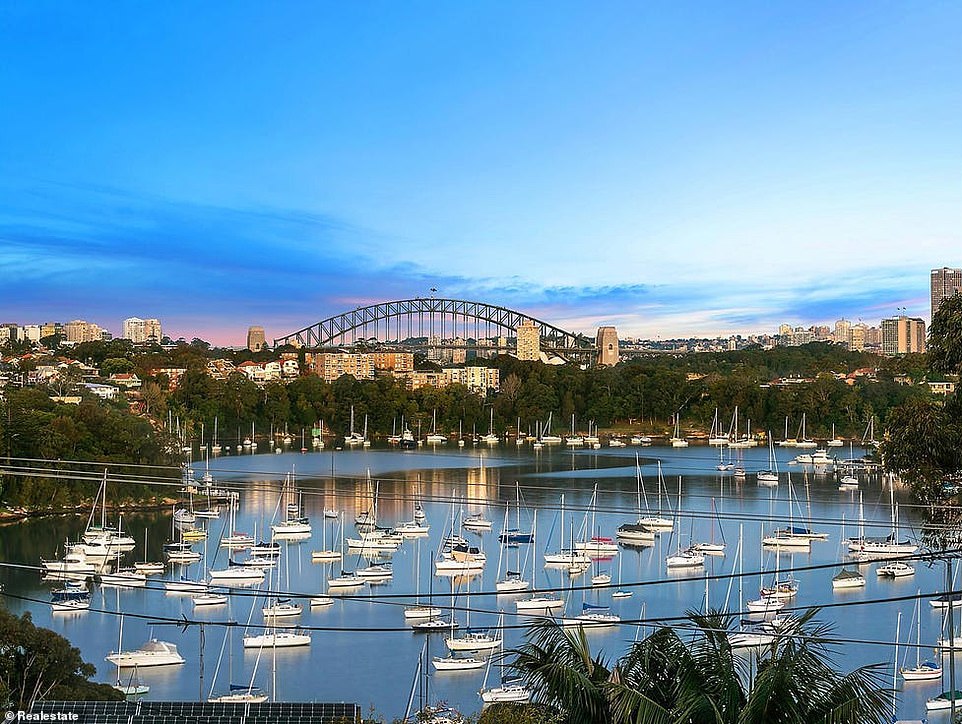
(546, 437)
(788, 537)
(419, 611)
(565, 556)
(511, 691)
(104, 540)
(637, 533)
(596, 545)
(146, 566)
(474, 639)
(923, 670)
(353, 438)
(276, 607)
(656, 522)
(834, 441)
(453, 662)
(513, 581)
(516, 535)
(804, 441)
(237, 693)
(295, 524)
(715, 436)
(215, 447)
(133, 688)
(574, 440)
(435, 438)
(688, 557)
(676, 439)
(713, 547)
(491, 438)
(347, 579)
(769, 477)
(326, 554)
(538, 602)
(885, 545)
(621, 592)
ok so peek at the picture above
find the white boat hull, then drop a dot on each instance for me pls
(540, 603)
(276, 640)
(506, 694)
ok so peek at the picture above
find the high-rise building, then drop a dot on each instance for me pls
(255, 339)
(529, 341)
(606, 342)
(857, 335)
(79, 330)
(945, 283)
(843, 332)
(903, 335)
(49, 329)
(141, 331)
(331, 365)
(153, 331)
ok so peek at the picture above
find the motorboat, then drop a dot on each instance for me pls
(152, 653)
(73, 565)
(895, 569)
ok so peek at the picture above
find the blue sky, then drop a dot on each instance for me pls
(670, 168)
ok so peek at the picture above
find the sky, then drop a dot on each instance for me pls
(672, 168)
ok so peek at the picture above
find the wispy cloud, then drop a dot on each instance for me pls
(97, 253)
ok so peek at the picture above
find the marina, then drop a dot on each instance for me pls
(366, 598)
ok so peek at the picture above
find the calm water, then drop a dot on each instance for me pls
(363, 651)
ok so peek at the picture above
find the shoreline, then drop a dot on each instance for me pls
(13, 515)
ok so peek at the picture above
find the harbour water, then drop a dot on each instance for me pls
(362, 648)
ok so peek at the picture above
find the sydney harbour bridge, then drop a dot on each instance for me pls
(425, 322)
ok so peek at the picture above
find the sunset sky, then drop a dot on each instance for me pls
(674, 169)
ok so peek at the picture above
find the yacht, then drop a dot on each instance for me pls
(152, 653)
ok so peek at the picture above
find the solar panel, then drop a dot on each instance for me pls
(177, 712)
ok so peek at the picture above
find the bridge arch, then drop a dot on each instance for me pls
(433, 318)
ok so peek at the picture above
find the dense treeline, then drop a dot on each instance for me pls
(639, 395)
(37, 664)
(35, 427)
(923, 442)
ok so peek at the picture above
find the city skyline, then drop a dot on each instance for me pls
(671, 171)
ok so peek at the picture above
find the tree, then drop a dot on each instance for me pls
(945, 336)
(922, 445)
(37, 664)
(668, 678)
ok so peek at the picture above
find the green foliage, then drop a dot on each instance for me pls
(33, 426)
(668, 678)
(923, 440)
(505, 713)
(923, 444)
(945, 336)
(38, 664)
